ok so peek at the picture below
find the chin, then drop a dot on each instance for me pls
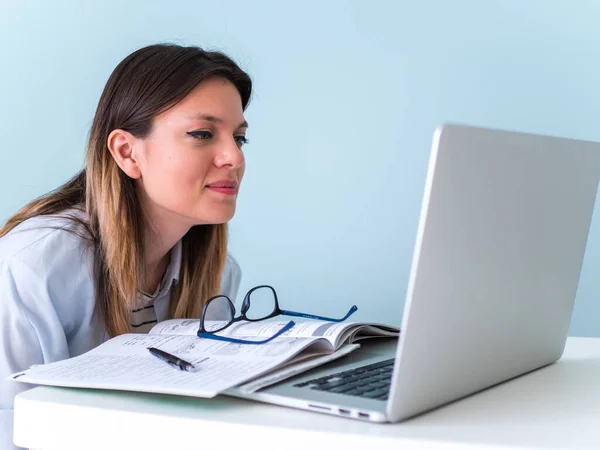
(210, 214)
(214, 219)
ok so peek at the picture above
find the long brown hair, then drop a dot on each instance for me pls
(144, 84)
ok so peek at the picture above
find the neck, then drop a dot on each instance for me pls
(162, 233)
(154, 273)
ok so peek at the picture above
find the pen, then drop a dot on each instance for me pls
(172, 359)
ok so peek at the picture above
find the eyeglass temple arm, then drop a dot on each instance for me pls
(312, 316)
(289, 325)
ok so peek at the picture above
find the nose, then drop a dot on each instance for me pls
(229, 154)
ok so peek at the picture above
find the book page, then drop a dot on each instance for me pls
(332, 331)
(182, 326)
(124, 363)
(336, 333)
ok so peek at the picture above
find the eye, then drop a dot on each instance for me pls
(241, 140)
(200, 134)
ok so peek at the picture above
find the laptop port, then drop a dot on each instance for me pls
(344, 411)
(362, 415)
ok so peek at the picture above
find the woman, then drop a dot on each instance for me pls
(140, 234)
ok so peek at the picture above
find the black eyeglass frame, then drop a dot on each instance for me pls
(277, 311)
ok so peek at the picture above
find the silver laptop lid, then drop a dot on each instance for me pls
(501, 239)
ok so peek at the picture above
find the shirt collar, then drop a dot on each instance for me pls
(174, 269)
(171, 276)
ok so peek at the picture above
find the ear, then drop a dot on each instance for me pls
(121, 145)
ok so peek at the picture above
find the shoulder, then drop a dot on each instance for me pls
(46, 271)
(232, 264)
(53, 253)
(46, 239)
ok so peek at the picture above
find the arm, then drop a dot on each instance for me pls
(30, 333)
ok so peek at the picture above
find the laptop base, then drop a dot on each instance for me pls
(287, 393)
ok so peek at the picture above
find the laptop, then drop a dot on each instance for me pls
(500, 243)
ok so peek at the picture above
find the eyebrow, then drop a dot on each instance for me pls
(213, 119)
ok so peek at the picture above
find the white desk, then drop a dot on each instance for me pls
(554, 407)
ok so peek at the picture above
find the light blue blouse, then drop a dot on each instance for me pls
(47, 302)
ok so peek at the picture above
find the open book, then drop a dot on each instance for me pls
(124, 363)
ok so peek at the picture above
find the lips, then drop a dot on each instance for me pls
(228, 184)
(226, 187)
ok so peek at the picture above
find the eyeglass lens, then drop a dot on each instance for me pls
(262, 303)
(218, 309)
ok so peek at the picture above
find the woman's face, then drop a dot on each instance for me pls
(191, 165)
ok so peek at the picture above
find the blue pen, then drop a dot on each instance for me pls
(172, 360)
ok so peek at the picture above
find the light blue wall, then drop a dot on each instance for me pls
(347, 95)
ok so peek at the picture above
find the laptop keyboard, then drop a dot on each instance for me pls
(372, 381)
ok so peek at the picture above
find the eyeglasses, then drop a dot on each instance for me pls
(260, 303)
